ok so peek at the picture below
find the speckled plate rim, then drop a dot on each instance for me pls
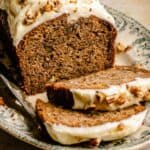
(143, 142)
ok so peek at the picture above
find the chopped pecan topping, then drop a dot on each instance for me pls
(136, 91)
(121, 99)
(30, 17)
(94, 142)
(120, 47)
(50, 6)
(47, 8)
(120, 127)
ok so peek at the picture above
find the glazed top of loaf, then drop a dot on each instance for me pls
(25, 15)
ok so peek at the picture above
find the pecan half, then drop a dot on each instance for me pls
(136, 91)
(94, 142)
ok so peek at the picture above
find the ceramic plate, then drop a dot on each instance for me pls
(130, 33)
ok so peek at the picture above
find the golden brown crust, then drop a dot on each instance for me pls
(57, 115)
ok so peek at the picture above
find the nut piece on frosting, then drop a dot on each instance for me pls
(94, 142)
(30, 17)
(120, 47)
(111, 99)
(50, 6)
(136, 91)
(121, 99)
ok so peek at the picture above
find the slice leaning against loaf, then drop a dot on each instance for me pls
(71, 127)
(112, 89)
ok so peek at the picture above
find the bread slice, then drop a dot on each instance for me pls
(57, 48)
(71, 127)
(112, 89)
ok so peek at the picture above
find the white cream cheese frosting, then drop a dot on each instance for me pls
(105, 132)
(25, 15)
(86, 98)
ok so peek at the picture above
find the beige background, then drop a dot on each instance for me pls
(138, 9)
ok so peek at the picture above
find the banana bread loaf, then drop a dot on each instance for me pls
(59, 39)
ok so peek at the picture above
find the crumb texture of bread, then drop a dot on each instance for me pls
(56, 115)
